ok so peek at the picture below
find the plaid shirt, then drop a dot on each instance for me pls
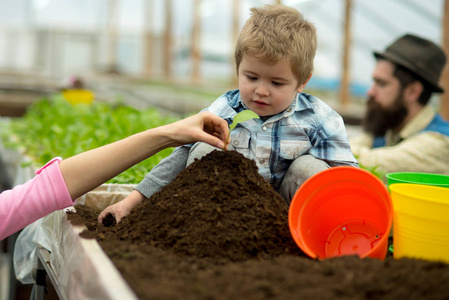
(307, 126)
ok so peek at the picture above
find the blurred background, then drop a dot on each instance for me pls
(173, 56)
(191, 42)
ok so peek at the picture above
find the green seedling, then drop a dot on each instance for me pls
(242, 116)
(372, 169)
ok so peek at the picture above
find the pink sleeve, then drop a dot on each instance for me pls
(34, 199)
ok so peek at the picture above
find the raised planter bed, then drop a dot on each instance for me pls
(217, 232)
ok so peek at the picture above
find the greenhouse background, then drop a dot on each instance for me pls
(165, 59)
(58, 39)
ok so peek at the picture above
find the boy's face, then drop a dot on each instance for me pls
(267, 88)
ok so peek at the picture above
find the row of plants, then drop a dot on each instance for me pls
(53, 127)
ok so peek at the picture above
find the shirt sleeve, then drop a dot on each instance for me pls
(425, 152)
(34, 199)
(164, 172)
(331, 143)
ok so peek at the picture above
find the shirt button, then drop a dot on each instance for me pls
(235, 143)
(261, 161)
(264, 128)
(289, 109)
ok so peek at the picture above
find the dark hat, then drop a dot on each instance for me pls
(420, 56)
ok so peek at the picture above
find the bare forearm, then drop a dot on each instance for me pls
(86, 171)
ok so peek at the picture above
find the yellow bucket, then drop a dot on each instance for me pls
(76, 96)
(421, 221)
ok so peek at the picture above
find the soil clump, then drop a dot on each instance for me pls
(219, 231)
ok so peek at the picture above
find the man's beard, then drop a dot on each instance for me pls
(378, 120)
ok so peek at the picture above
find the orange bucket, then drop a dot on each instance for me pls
(342, 211)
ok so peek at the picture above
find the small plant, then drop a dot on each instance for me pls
(373, 170)
(242, 116)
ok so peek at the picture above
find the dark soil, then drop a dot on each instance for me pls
(109, 221)
(219, 231)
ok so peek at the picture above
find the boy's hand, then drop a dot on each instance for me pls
(118, 210)
(123, 208)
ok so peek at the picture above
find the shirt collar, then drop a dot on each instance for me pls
(303, 102)
(237, 103)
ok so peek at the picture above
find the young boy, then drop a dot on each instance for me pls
(297, 134)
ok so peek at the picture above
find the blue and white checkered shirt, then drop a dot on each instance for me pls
(307, 126)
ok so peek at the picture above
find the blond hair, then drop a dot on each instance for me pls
(275, 32)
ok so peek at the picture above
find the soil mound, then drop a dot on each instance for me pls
(219, 208)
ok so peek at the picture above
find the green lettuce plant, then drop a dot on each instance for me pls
(53, 127)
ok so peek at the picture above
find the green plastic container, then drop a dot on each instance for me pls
(418, 178)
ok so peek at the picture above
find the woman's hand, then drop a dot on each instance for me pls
(203, 127)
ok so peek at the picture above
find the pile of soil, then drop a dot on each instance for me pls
(219, 231)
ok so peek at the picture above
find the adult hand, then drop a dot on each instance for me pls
(203, 127)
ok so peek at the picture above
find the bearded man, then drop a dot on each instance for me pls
(401, 131)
